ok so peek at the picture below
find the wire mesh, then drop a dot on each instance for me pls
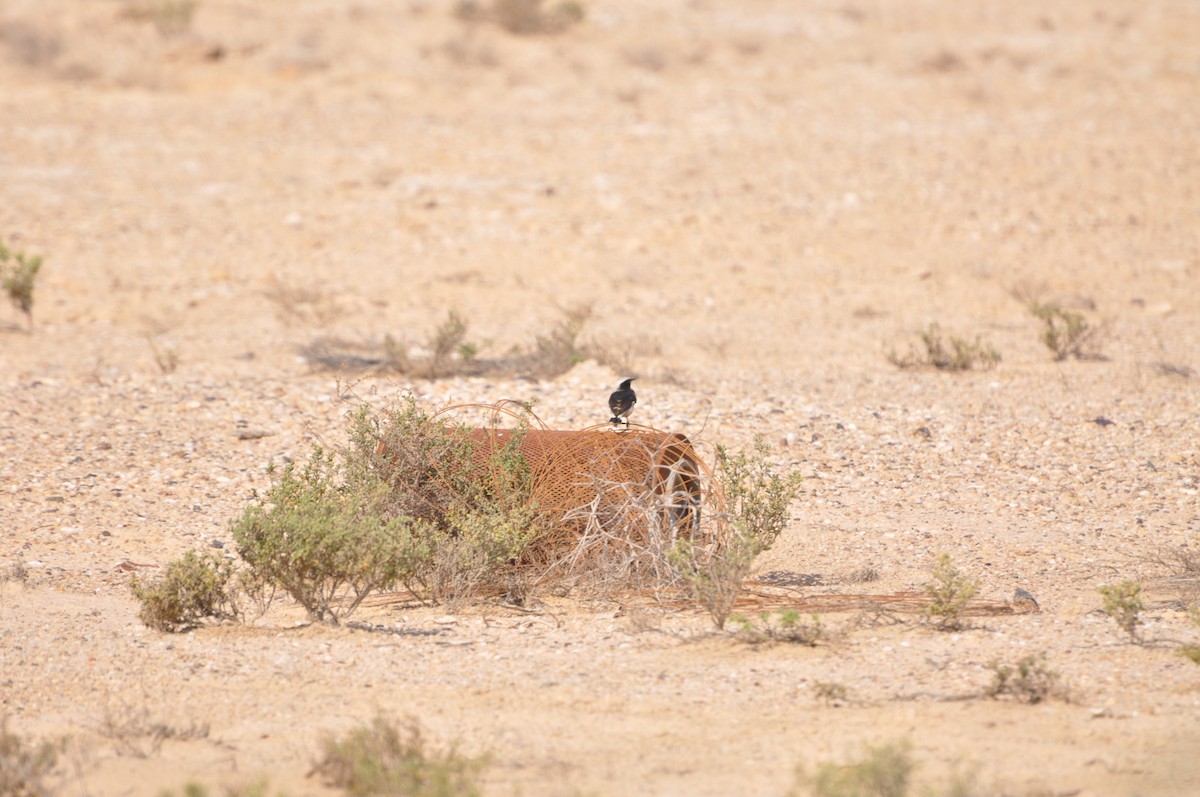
(613, 501)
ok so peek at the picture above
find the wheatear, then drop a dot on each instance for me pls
(621, 401)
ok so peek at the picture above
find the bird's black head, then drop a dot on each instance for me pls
(625, 383)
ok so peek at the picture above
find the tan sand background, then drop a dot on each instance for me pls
(757, 200)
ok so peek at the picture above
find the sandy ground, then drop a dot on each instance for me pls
(757, 200)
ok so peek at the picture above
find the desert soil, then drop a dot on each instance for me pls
(757, 200)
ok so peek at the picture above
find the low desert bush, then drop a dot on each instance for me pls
(783, 626)
(18, 275)
(1067, 333)
(384, 757)
(756, 499)
(883, 771)
(17, 571)
(523, 17)
(194, 588)
(1029, 681)
(956, 354)
(25, 768)
(169, 17)
(328, 541)
(477, 502)
(949, 591)
(831, 693)
(1123, 603)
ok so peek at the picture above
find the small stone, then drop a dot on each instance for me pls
(1023, 601)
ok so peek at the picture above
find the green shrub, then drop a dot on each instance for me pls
(949, 591)
(419, 458)
(1123, 603)
(194, 588)
(383, 758)
(884, 771)
(783, 626)
(18, 274)
(1066, 333)
(484, 547)
(1030, 681)
(756, 503)
(480, 517)
(326, 542)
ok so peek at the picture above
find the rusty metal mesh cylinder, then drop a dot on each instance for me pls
(637, 478)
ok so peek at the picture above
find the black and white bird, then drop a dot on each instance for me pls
(621, 401)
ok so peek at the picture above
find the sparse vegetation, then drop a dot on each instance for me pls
(194, 588)
(1192, 651)
(1030, 681)
(25, 767)
(1123, 603)
(255, 788)
(559, 350)
(448, 340)
(1067, 333)
(302, 305)
(384, 757)
(783, 626)
(450, 512)
(478, 504)
(166, 358)
(883, 771)
(523, 17)
(135, 732)
(327, 542)
(1182, 562)
(17, 571)
(949, 591)
(956, 354)
(448, 352)
(756, 503)
(169, 17)
(18, 275)
(831, 693)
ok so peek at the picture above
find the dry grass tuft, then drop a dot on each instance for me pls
(954, 354)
